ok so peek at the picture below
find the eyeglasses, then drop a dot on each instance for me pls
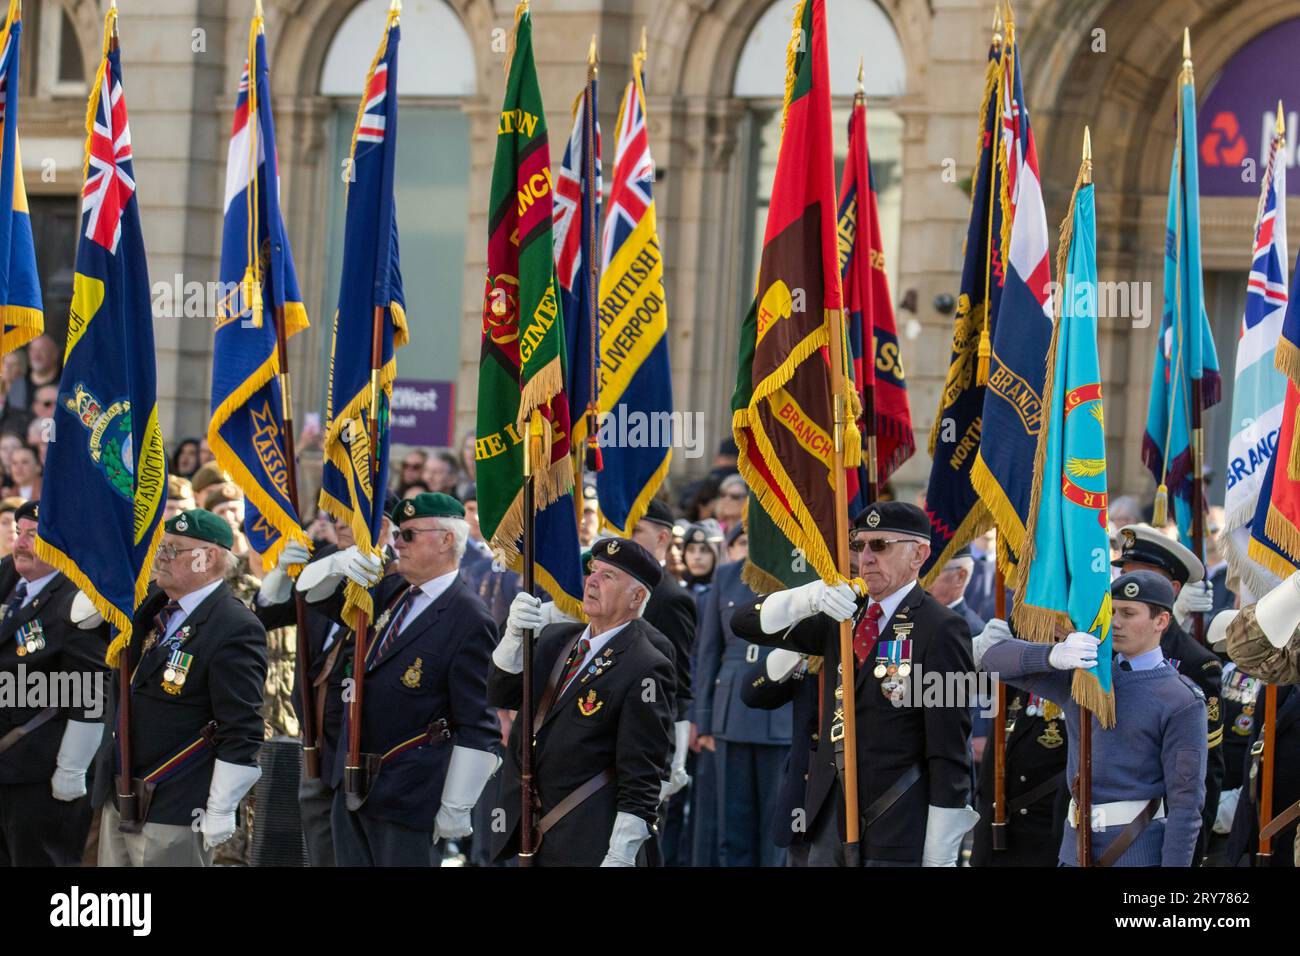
(877, 545)
(170, 551)
(408, 534)
(735, 495)
(412, 465)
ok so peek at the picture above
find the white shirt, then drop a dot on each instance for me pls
(35, 587)
(890, 604)
(188, 603)
(597, 645)
(1147, 661)
(425, 595)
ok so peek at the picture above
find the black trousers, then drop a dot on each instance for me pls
(363, 840)
(37, 830)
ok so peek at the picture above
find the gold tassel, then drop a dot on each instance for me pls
(1160, 510)
(985, 353)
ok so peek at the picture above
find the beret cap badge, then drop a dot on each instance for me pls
(1131, 589)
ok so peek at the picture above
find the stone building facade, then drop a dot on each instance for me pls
(708, 121)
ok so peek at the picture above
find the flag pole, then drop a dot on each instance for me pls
(869, 347)
(846, 691)
(302, 657)
(998, 828)
(1197, 396)
(589, 459)
(534, 454)
(1083, 799)
(1264, 852)
(356, 780)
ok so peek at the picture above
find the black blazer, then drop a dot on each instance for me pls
(1203, 668)
(68, 650)
(619, 718)
(1036, 752)
(226, 683)
(671, 611)
(890, 740)
(1243, 841)
(436, 669)
(790, 818)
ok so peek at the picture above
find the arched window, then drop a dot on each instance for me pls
(433, 170)
(858, 30)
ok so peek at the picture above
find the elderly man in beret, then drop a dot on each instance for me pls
(47, 629)
(1148, 771)
(603, 716)
(428, 737)
(913, 761)
(197, 657)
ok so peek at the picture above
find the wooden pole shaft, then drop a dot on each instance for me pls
(1269, 735)
(527, 834)
(998, 834)
(1084, 798)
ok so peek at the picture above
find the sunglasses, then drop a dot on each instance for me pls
(408, 534)
(877, 545)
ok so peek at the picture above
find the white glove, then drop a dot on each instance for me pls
(1227, 810)
(1195, 598)
(230, 781)
(468, 772)
(277, 586)
(944, 829)
(781, 663)
(1278, 612)
(319, 579)
(678, 778)
(784, 608)
(80, 741)
(1078, 651)
(629, 832)
(994, 631)
(83, 614)
(525, 614)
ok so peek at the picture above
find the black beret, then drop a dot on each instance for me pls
(430, 504)
(700, 534)
(391, 501)
(1143, 544)
(28, 510)
(659, 513)
(899, 517)
(630, 557)
(202, 525)
(1149, 587)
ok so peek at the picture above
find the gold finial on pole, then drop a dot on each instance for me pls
(1087, 155)
(257, 8)
(1187, 55)
(862, 90)
(1281, 120)
(642, 50)
(997, 25)
(591, 53)
(1008, 20)
(395, 7)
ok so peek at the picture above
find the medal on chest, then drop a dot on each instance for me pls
(177, 671)
(589, 705)
(893, 667)
(30, 638)
(414, 674)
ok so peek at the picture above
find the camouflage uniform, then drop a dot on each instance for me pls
(1255, 655)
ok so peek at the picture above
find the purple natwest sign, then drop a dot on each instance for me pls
(1236, 119)
(421, 413)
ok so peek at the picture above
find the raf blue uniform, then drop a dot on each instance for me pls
(752, 745)
(425, 693)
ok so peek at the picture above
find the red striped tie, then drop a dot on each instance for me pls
(575, 662)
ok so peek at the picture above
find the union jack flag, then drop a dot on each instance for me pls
(569, 212)
(634, 177)
(109, 181)
(373, 116)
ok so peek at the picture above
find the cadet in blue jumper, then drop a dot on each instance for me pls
(1148, 771)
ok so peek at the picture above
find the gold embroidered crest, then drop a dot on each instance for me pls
(414, 674)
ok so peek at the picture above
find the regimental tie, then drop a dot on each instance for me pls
(394, 628)
(867, 632)
(160, 622)
(16, 599)
(575, 662)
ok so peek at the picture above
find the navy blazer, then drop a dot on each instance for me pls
(799, 692)
(435, 669)
(724, 660)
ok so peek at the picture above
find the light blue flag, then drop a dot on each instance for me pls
(1185, 356)
(1068, 553)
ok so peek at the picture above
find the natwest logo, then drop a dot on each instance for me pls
(1223, 144)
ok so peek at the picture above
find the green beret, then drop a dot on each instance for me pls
(430, 504)
(203, 526)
